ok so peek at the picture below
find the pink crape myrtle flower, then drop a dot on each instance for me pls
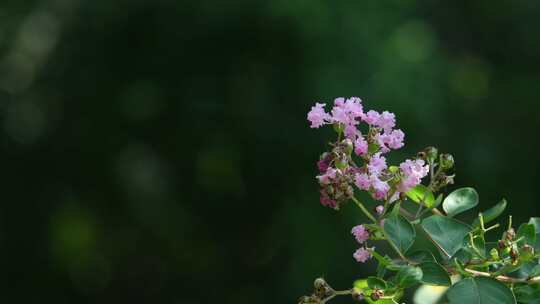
(328, 176)
(379, 209)
(362, 255)
(413, 172)
(386, 121)
(360, 146)
(360, 233)
(372, 117)
(392, 140)
(362, 181)
(317, 116)
(377, 164)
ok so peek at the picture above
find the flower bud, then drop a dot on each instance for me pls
(446, 161)
(342, 162)
(431, 153)
(377, 294)
(494, 254)
(357, 295)
(528, 248)
(322, 289)
(514, 254)
(347, 145)
(510, 234)
(421, 155)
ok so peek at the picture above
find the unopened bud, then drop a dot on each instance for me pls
(510, 234)
(431, 153)
(322, 289)
(514, 254)
(528, 248)
(357, 295)
(421, 155)
(377, 294)
(446, 161)
(494, 254)
(347, 146)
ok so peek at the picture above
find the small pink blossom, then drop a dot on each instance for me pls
(360, 146)
(362, 181)
(362, 255)
(372, 117)
(354, 106)
(386, 121)
(413, 172)
(351, 132)
(381, 188)
(392, 140)
(317, 116)
(377, 164)
(360, 233)
(328, 176)
(326, 201)
(379, 209)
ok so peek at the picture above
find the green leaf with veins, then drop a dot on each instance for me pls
(527, 234)
(408, 276)
(492, 213)
(447, 233)
(434, 274)
(460, 200)
(421, 193)
(479, 290)
(399, 231)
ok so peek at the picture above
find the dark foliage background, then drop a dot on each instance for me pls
(158, 152)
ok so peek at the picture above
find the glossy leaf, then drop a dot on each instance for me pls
(527, 294)
(400, 231)
(407, 276)
(374, 282)
(536, 222)
(434, 274)
(480, 291)
(460, 200)
(492, 213)
(421, 193)
(420, 256)
(446, 233)
(527, 233)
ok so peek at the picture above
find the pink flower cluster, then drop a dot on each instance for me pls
(381, 137)
(362, 235)
(349, 113)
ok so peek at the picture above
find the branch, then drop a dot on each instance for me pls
(502, 278)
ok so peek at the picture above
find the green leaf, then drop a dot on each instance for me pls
(527, 294)
(420, 256)
(374, 282)
(360, 284)
(460, 200)
(492, 213)
(446, 233)
(407, 276)
(438, 201)
(434, 274)
(535, 271)
(462, 256)
(528, 233)
(381, 301)
(536, 222)
(421, 193)
(480, 291)
(399, 231)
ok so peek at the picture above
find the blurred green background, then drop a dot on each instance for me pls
(158, 151)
